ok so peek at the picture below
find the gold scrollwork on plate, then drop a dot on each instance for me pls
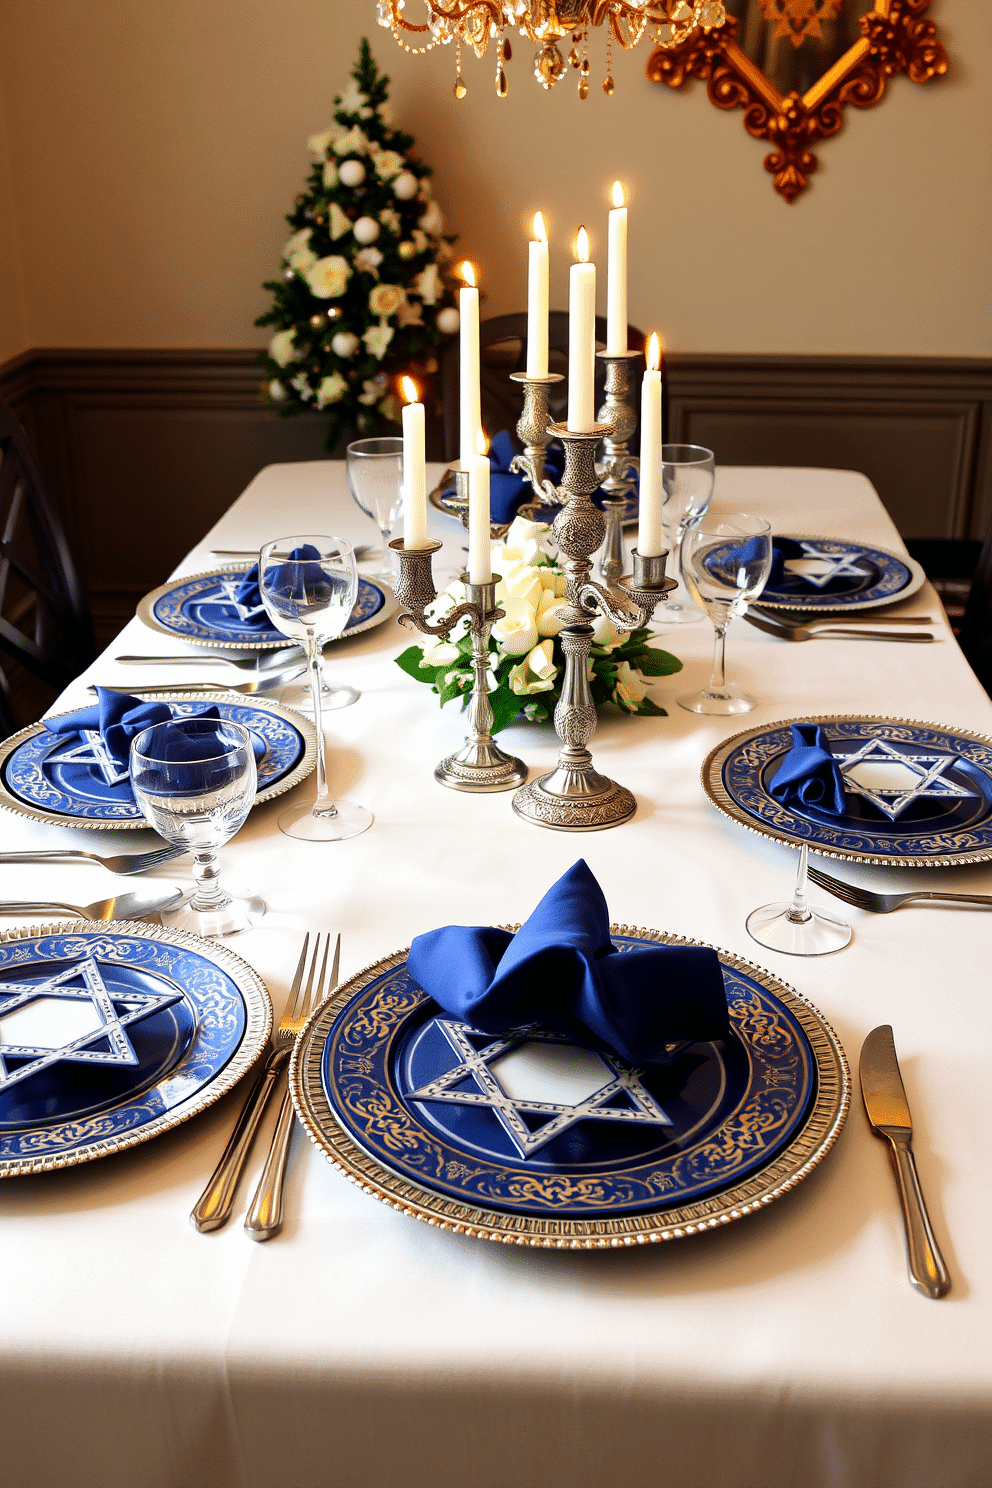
(668, 1221)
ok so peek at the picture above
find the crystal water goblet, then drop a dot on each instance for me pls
(688, 472)
(308, 586)
(797, 927)
(726, 560)
(194, 780)
(375, 479)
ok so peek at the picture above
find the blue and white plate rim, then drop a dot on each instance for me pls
(255, 1038)
(711, 776)
(790, 1166)
(917, 578)
(146, 612)
(303, 767)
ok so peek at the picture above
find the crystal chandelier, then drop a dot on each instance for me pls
(550, 25)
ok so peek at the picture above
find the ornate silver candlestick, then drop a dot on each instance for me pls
(532, 430)
(480, 765)
(618, 466)
(574, 797)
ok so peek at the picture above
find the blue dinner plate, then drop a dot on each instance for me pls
(43, 773)
(529, 1124)
(204, 610)
(112, 1034)
(834, 574)
(916, 794)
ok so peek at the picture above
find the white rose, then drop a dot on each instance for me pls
(386, 299)
(549, 578)
(605, 633)
(425, 284)
(340, 222)
(277, 393)
(550, 614)
(352, 142)
(630, 690)
(536, 673)
(521, 532)
(327, 277)
(525, 584)
(433, 219)
(298, 253)
(438, 652)
(282, 348)
(388, 163)
(517, 631)
(332, 389)
(377, 339)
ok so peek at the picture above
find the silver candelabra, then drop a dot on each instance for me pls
(617, 471)
(480, 765)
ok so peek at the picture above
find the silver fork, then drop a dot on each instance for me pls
(264, 682)
(213, 1208)
(124, 863)
(264, 1217)
(828, 632)
(886, 903)
(264, 661)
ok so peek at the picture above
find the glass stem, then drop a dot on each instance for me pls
(208, 894)
(718, 681)
(323, 806)
(390, 560)
(799, 911)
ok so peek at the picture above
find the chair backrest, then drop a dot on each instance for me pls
(45, 625)
(976, 628)
(502, 350)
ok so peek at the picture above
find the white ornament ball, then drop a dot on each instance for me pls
(448, 320)
(366, 229)
(351, 172)
(407, 249)
(277, 393)
(405, 186)
(344, 344)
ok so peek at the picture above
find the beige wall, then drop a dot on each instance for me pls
(156, 144)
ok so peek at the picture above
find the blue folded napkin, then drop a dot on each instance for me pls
(561, 970)
(96, 741)
(508, 491)
(809, 773)
(283, 580)
(783, 548)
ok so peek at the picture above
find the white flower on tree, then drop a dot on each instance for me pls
(352, 99)
(331, 390)
(409, 314)
(340, 222)
(390, 219)
(277, 392)
(351, 142)
(367, 260)
(320, 143)
(388, 163)
(329, 175)
(425, 284)
(377, 339)
(386, 299)
(345, 344)
(282, 348)
(298, 253)
(328, 277)
(302, 386)
(433, 219)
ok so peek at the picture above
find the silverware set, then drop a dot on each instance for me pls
(878, 903)
(266, 682)
(133, 906)
(124, 863)
(264, 1219)
(872, 629)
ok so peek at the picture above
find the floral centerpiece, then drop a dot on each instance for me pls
(527, 663)
(362, 295)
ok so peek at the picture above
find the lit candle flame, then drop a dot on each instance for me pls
(467, 272)
(618, 196)
(410, 390)
(540, 231)
(481, 442)
(582, 245)
(654, 352)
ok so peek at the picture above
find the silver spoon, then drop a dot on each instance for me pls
(132, 906)
(268, 682)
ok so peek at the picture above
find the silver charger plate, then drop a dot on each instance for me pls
(11, 801)
(887, 591)
(147, 607)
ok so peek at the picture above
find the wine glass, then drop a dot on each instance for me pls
(726, 561)
(375, 479)
(308, 586)
(687, 475)
(797, 927)
(195, 780)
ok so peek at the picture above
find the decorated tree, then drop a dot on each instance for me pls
(362, 297)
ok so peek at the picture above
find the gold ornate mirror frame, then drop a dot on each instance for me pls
(895, 37)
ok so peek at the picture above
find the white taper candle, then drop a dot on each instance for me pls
(479, 562)
(651, 491)
(470, 406)
(537, 301)
(414, 470)
(582, 339)
(616, 276)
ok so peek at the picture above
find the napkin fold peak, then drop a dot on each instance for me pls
(809, 773)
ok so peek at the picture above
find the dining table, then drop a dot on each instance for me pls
(361, 1348)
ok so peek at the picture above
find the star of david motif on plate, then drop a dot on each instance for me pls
(475, 1064)
(91, 751)
(928, 768)
(838, 566)
(228, 595)
(80, 982)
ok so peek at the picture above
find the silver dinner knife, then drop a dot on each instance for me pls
(888, 1111)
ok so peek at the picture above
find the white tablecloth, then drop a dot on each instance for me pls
(363, 1348)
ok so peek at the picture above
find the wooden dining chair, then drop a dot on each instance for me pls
(45, 625)
(502, 350)
(976, 627)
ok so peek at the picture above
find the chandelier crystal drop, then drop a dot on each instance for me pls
(549, 25)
